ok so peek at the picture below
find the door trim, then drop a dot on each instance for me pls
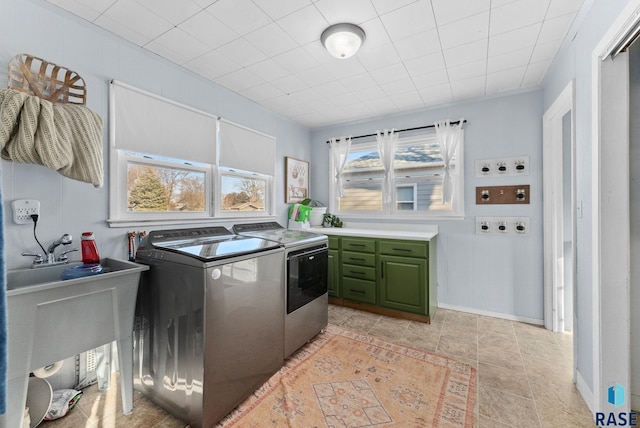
(553, 215)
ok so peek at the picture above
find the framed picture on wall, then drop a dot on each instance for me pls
(297, 181)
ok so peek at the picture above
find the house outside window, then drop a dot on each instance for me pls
(417, 184)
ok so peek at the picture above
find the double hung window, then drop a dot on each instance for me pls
(416, 186)
(172, 163)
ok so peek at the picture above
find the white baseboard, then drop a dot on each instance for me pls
(492, 314)
(585, 391)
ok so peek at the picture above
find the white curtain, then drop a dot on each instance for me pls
(387, 141)
(339, 151)
(448, 136)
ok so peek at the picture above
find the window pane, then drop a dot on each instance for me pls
(417, 155)
(404, 194)
(405, 206)
(242, 193)
(162, 189)
(365, 195)
(363, 160)
(430, 195)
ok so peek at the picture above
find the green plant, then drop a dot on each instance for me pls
(312, 203)
(330, 220)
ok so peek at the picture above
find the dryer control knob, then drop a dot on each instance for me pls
(216, 273)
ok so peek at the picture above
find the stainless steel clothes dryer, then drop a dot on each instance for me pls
(306, 280)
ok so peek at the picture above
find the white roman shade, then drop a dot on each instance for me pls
(146, 123)
(245, 149)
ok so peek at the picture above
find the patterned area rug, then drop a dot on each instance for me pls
(345, 379)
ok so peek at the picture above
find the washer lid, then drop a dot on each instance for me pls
(219, 249)
(207, 244)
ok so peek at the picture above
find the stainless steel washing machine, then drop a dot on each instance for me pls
(306, 279)
(209, 323)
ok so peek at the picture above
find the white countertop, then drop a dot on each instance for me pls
(428, 234)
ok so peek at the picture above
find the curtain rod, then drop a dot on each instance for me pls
(406, 129)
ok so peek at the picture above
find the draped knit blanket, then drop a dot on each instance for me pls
(63, 137)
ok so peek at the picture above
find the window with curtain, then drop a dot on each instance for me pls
(416, 185)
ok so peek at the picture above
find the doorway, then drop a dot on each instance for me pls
(560, 215)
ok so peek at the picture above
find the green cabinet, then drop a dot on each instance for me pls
(392, 276)
(334, 266)
(334, 273)
(403, 283)
(358, 269)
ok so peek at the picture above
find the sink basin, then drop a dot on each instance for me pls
(23, 280)
(50, 320)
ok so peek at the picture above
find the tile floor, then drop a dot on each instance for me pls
(524, 372)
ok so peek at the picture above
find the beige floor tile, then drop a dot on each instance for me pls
(170, 422)
(427, 341)
(557, 418)
(462, 318)
(533, 332)
(557, 394)
(494, 324)
(487, 422)
(497, 356)
(541, 349)
(502, 340)
(506, 408)
(440, 315)
(524, 372)
(553, 369)
(391, 328)
(339, 314)
(451, 345)
(361, 321)
(145, 415)
(512, 381)
(459, 333)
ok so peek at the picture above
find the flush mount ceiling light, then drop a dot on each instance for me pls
(342, 40)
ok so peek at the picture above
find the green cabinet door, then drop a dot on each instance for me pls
(334, 273)
(403, 284)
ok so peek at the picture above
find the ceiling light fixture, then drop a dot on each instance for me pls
(342, 40)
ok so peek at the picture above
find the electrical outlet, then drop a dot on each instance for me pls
(502, 167)
(23, 209)
(502, 225)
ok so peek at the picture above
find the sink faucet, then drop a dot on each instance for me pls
(65, 239)
(51, 260)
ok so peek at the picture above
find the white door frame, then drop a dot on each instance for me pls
(610, 222)
(552, 161)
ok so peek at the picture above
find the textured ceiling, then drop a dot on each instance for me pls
(417, 53)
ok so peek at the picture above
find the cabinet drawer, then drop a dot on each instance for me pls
(360, 259)
(334, 242)
(358, 289)
(361, 272)
(404, 248)
(359, 244)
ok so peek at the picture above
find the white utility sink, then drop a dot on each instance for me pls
(50, 320)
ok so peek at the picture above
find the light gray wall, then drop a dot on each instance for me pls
(634, 162)
(574, 61)
(496, 274)
(68, 206)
